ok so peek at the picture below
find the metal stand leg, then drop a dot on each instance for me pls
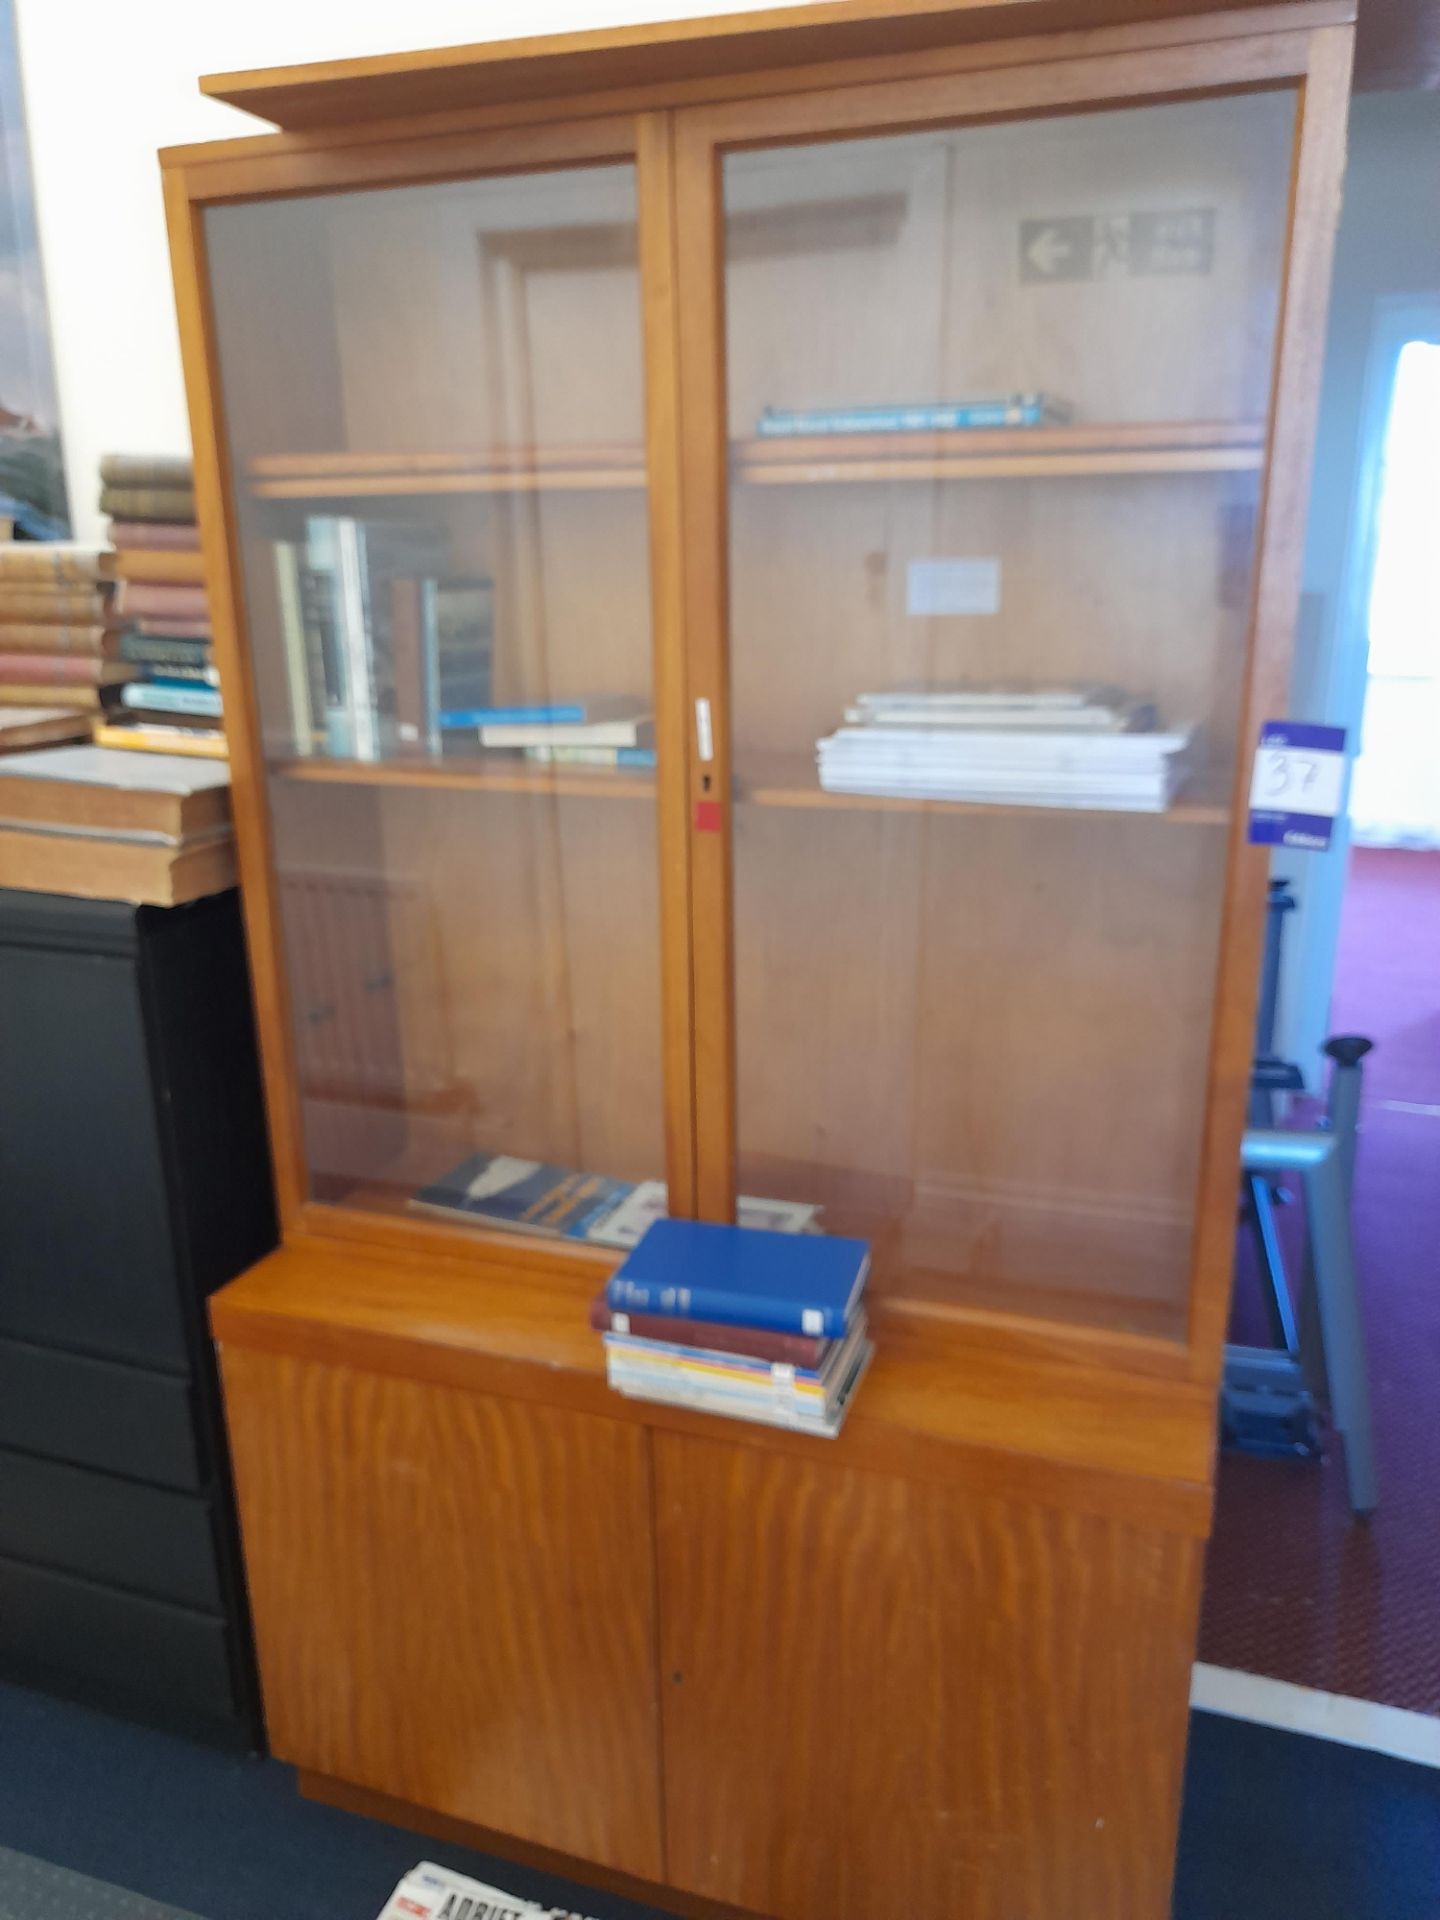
(1260, 1204)
(1321, 1164)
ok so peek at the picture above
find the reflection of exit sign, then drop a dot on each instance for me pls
(1107, 246)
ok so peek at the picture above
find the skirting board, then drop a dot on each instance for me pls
(1325, 1716)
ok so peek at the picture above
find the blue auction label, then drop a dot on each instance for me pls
(1299, 777)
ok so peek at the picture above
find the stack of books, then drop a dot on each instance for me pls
(172, 705)
(1083, 747)
(760, 1326)
(59, 640)
(106, 825)
(607, 730)
(379, 638)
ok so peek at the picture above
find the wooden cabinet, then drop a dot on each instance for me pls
(454, 1597)
(526, 377)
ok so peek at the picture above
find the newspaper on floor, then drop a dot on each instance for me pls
(429, 1892)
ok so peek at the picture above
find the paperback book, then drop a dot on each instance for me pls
(943, 416)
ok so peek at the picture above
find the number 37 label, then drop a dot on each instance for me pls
(1295, 794)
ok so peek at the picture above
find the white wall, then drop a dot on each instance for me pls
(1388, 246)
(106, 83)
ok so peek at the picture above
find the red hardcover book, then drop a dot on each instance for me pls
(179, 536)
(779, 1349)
(62, 670)
(161, 600)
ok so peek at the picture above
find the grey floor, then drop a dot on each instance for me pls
(32, 1889)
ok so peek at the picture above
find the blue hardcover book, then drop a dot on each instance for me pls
(571, 715)
(950, 416)
(743, 1277)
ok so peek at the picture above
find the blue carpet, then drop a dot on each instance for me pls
(1276, 1827)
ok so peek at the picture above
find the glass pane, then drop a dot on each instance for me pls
(997, 400)
(434, 407)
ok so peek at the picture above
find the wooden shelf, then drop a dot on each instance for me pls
(791, 780)
(1004, 453)
(992, 454)
(477, 775)
(770, 780)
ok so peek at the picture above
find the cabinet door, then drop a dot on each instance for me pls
(433, 405)
(87, 1260)
(998, 397)
(884, 1699)
(454, 1600)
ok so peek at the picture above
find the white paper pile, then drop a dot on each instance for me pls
(1047, 748)
(435, 1893)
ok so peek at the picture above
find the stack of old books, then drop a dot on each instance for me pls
(173, 703)
(59, 652)
(1084, 747)
(757, 1325)
(104, 825)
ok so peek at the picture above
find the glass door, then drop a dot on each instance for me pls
(434, 410)
(997, 399)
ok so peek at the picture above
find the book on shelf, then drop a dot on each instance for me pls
(150, 650)
(354, 563)
(79, 699)
(556, 713)
(769, 1410)
(1099, 751)
(160, 566)
(54, 562)
(630, 725)
(788, 1282)
(1089, 709)
(940, 416)
(523, 1196)
(160, 536)
(776, 1349)
(648, 1201)
(147, 502)
(92, 789)
(24, 727)
(642, 757)
(34, 603)
(99, 868)
(54, 642)
(142, 736)
(444, 643)
(173, 674)
(146, 470)
(64, 669)
(532, 1196)
(307, 637)
(175, 697)
(162, 600)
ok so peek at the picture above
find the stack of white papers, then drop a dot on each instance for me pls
(1060, 748)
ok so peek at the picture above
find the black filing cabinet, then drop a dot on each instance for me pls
(134, 1180)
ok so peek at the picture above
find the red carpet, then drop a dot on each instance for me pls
(1296, 1589)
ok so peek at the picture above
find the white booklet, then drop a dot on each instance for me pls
(429, 1892)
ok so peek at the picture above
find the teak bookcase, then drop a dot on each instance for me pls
(534, 299)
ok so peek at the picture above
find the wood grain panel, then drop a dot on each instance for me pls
(453, 1600)
(914, 1704)
(668, 54)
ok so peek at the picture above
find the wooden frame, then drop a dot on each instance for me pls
(673, 126)
(407, 1398)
